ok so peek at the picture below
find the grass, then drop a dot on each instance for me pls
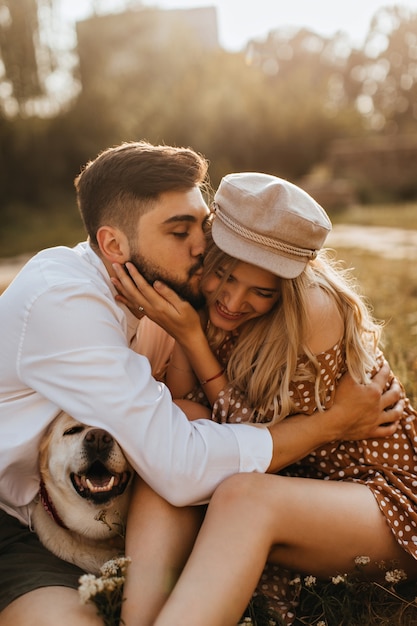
(391, 289)
(26, 231)
(391, 215)
(349, 600)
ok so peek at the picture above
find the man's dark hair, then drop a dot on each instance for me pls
(122, 183)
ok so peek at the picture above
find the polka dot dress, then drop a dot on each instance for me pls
(388, 467)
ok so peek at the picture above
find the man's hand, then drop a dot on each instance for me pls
(358, 412)
(371, 410)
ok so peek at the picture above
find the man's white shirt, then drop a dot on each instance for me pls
(65, 346)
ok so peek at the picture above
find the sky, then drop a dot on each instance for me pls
(241, 20)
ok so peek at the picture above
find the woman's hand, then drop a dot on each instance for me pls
(158, 302)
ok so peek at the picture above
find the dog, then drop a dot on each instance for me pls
(85, 483)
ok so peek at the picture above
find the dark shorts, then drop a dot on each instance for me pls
(26, 565)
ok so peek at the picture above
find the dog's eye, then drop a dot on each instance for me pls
(74, 430)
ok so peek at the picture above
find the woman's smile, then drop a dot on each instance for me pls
(223, 311)
(246, 293)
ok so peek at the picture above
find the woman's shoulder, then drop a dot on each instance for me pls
(325, 325)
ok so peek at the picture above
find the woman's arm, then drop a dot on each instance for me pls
(180, 377)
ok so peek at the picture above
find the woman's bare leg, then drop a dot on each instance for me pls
(314, 526)
(159, 539)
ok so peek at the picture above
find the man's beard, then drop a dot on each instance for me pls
(152, 272)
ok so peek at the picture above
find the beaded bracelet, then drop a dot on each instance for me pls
(204, 382)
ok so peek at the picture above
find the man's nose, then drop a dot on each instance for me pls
(199, 245)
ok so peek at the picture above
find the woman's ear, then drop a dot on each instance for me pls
(113, 244)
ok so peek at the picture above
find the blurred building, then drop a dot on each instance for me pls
(369, 169)
(120, 42)
(387, 165)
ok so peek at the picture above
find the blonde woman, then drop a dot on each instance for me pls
(284, 325)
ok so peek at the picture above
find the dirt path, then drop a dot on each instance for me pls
(393, 243)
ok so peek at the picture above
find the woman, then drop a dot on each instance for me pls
(282, 359)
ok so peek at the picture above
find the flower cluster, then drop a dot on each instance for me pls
(106, 590)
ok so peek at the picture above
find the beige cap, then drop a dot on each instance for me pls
(269, 222)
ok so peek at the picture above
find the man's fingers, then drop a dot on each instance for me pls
(391, 417)
(387, 430)
(382, 377)
(391, 396)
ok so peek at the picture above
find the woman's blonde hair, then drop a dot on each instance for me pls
(264, 360)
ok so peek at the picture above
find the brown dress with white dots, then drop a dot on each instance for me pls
(387, 466)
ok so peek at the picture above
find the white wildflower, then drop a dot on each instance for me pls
(295, 581)
(336, 580)
(105, 591)
(88, 587)
(309, 581)
(395, 576)
(362, 560)
(115, 566)
(111, 584)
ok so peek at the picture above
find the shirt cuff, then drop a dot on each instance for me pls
(255, 446)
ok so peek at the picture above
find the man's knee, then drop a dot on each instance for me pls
(50, 606)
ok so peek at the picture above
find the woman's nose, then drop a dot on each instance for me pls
(234, 298)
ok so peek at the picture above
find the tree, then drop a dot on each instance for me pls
(31, 58)
(381, 79)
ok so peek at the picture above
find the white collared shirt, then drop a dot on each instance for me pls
(65, 346)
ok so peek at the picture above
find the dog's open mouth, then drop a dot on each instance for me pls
(99, 484)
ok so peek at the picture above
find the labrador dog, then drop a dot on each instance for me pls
(81, 508)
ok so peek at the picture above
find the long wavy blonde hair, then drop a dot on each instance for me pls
(264, 360)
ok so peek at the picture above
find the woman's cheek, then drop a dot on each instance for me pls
(209, 286)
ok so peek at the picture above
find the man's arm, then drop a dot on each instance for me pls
(358, 412)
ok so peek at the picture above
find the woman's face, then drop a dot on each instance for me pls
(248, 292)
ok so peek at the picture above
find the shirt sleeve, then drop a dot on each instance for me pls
(156, 344)
(73, 352)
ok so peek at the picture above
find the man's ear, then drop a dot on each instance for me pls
(113, 244)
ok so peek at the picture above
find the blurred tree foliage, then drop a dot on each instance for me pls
(18, 37)
(275, 106)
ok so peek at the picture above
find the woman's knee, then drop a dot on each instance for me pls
(245, 489)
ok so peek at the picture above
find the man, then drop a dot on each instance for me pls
(66, 346)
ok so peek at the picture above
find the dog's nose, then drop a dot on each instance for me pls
(98, 440)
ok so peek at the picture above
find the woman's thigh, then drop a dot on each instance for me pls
(319, 527)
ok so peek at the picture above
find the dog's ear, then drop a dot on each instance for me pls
(45, 442)
(43, 449)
